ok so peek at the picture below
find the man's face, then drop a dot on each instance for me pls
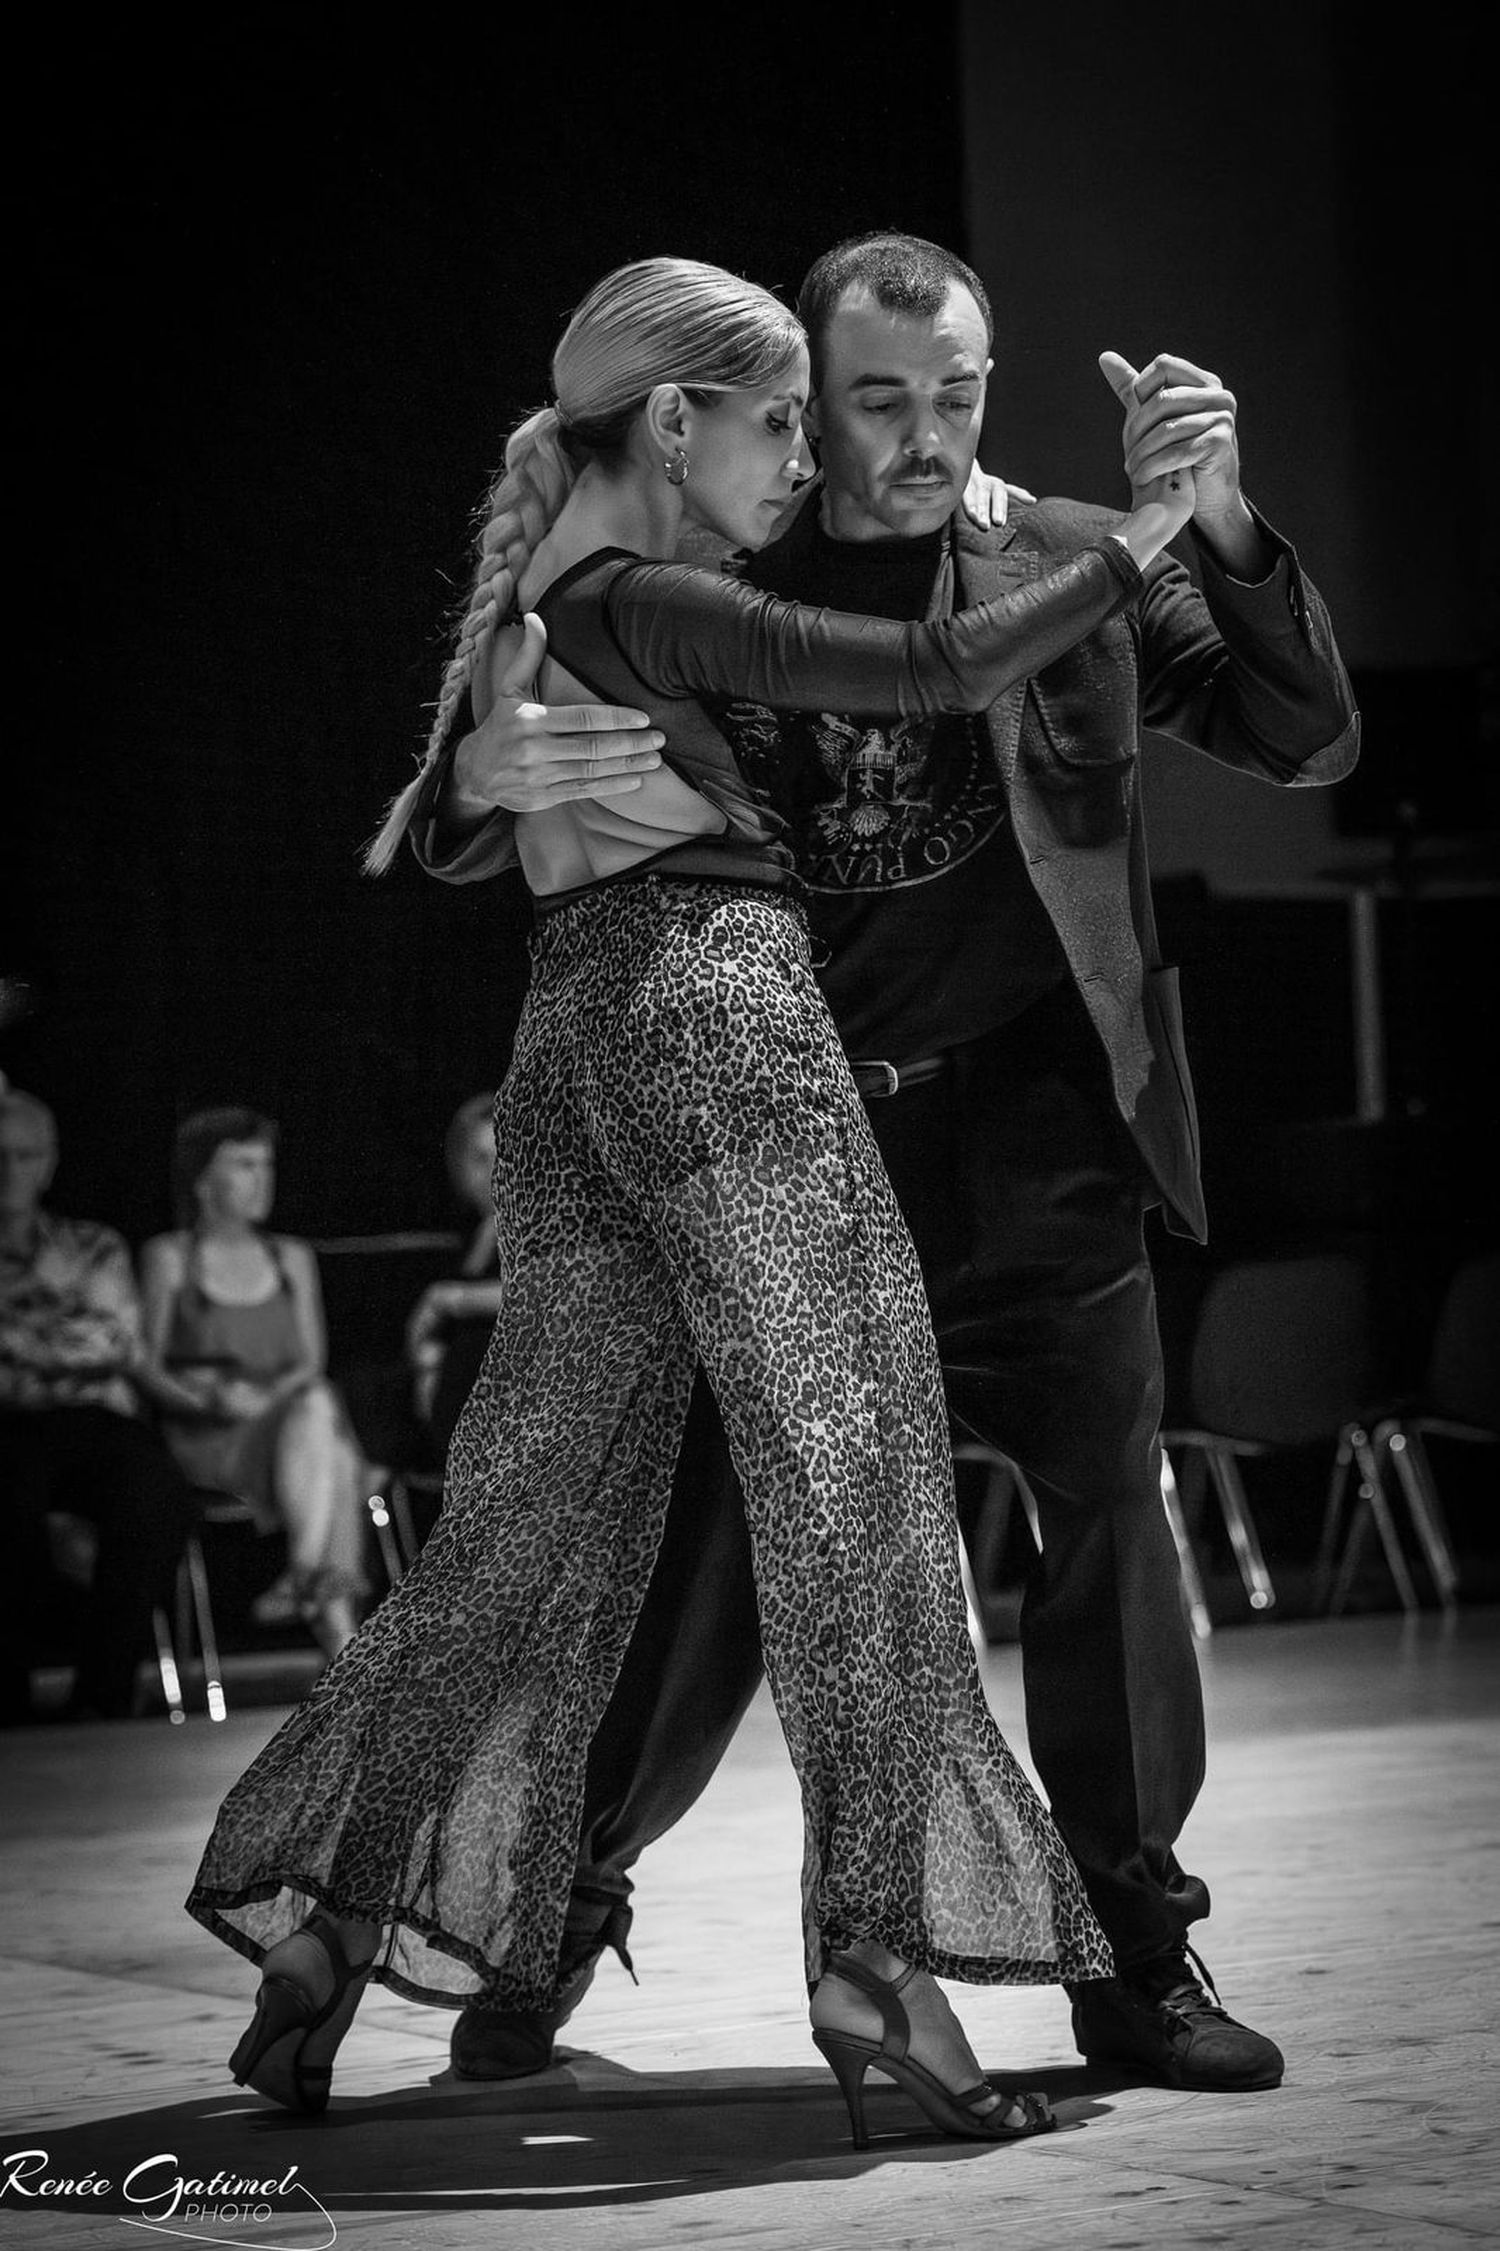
(898, 417)
(27, 1159)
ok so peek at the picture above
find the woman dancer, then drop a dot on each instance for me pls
(684, 1172)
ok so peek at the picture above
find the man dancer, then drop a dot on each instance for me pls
(980, 892)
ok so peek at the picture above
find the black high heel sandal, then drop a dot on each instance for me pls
(287, 2050)
(850, 2056)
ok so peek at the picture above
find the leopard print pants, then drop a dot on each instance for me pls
(684, 1170)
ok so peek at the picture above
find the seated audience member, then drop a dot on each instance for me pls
(451, 1322)
(236, 1359)
(72, 1437)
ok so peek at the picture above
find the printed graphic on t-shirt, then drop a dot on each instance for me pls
(872, 805)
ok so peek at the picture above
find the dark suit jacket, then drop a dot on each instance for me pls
(1249, 675)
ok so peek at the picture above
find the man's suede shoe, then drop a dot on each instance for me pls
(490, 2043)
(512, 2043)
(502, 2043)
(1158, 2018)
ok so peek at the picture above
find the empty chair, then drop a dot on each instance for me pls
(188, 1640)
(1285, 1354)
(1458, 1400)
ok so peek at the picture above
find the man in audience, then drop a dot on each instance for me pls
(72, 1437)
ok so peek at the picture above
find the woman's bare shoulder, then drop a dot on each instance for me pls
(165, 1255)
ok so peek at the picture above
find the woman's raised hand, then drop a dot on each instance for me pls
(1161, 455)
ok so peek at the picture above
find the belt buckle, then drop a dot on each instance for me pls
(892, 1077)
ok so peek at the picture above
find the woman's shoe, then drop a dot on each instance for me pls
(288, 2048)
(850, 2056)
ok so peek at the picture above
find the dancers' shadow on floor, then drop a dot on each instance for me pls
(587, 2133)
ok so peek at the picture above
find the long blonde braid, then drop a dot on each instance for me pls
(522, 505)
(659, 320)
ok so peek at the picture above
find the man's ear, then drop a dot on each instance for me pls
(667, 415)
(811, 419)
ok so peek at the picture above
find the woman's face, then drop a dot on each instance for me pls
(746, 458)
(239, 1182)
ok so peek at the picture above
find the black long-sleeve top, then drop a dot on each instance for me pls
(661, 635)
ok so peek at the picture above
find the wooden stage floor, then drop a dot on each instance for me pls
(1350, 1830)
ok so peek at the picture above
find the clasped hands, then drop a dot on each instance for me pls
(525, 756)
(222, 1398)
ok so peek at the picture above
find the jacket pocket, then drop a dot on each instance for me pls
(1085, 703)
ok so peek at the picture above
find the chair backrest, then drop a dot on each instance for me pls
(1463, 1368)
(370, 1284)
(1286, 1349)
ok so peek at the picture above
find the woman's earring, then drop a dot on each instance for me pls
(677, 468)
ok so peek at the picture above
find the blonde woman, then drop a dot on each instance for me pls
(684, 1173)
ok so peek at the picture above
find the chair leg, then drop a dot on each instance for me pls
(208, 1640)
(166, 1666)
(1407, 1455)
(182, 1609)
(1333, 1509)
(1187, 1561)
(1390, 1540)
(386, 1538)
(1372, 1507)
(1243, 1537)
(1349, 1554)
(406, 1530)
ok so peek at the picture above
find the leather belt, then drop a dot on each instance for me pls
(876, 1079)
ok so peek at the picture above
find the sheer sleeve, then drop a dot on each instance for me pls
(686, 632)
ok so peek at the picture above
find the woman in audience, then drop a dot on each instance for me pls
(450, 1324)
(237, 1354)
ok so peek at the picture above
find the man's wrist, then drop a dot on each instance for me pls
(1234, 538)
(457, 809)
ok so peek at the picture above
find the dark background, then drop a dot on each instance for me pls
(288, 284)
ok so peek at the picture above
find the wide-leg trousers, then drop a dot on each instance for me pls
(1025, 1198)
(684, 1175)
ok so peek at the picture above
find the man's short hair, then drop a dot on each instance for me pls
(901, 272)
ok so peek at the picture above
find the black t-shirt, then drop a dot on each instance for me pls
(926, 926)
